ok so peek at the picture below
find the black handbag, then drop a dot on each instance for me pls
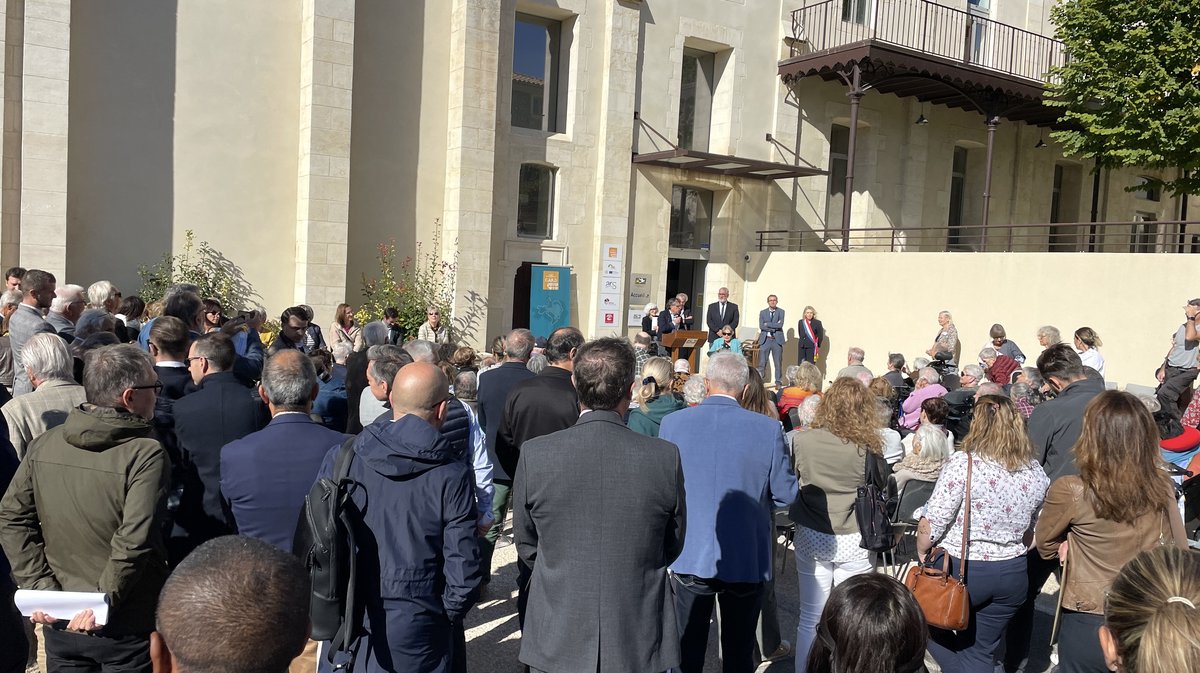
(872, 511)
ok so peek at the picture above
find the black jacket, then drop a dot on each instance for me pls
(802, 334)
(356, 382)
(1056, 424)
(715, 322)
(539, 406)
(494, 387)
(222, 410)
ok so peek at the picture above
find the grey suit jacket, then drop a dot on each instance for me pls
(768, 326)
(23, 324)
(599, 514)
(28, 416)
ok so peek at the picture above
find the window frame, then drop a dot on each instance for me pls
(551, 113)
(700, 133)
(707, 200)
(551, 183)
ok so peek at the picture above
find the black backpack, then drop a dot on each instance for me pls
(324, 541)
(873, 511)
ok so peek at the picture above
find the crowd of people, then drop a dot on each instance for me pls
(162, 454)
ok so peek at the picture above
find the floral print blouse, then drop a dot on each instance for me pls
(1004, 506)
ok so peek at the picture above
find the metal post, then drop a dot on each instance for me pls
(992, 122)
(855, 94)
(1095, 207)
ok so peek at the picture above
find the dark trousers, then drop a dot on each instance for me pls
(524, 574)
(1175, 392)
(997, 589)
(83, 653)
(487, 543)
(808, 353)
(1020, 631)
(770, 349)
(1079, 643)
(12, 631)
(739, 603)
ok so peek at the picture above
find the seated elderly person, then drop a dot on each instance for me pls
(968, 381)
(934, 412)
(694, 390)
(930, 448)
(895, 373)
(927, 386)
(49, 366)
(1003, 346)
(725, 341)
(1025, 398)
(998, 368)
(801, 381)
(1048, 335)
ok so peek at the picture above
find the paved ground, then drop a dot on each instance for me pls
(493, 636)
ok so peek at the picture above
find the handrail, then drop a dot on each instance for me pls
(929, 28)
(1163, 236)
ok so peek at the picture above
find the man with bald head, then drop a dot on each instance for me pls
(419, 574)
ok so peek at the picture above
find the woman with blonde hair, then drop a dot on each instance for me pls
(1008, 486)
(802, 380)
(1087, 342)
(654, 398)
(833, 459)
(344, 330)
(1152, 614)
(1120, 504)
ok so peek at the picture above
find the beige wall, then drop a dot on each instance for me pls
(236, 143)
(120, 165)
(889, 303)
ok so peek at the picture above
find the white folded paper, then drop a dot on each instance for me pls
(62, 604)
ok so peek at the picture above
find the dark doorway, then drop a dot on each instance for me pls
(687, 276)
(521, 287)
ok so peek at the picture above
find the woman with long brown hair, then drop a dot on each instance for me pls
(1007, 488)
(833, 458)
(344, 330)
(1121, 503)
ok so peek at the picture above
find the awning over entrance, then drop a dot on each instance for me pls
(723, 164)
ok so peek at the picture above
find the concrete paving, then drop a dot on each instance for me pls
(494, 637)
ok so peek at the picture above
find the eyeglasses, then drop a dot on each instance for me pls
(197, 357)
(726, 333)
(157, 387)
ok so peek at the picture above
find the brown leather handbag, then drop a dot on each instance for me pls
(942, 598)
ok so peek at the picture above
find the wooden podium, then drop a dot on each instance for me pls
(689, 342)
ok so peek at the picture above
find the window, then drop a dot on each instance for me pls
(536, 66)
(1061, 240)
(691, 218)
(1147, 189)
(695, 99)
(958, 188)
(1145, 233)
(839, 148)
(535, 201)
(855, 11)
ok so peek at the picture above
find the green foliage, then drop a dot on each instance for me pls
(203, 266)
(419, 282)
(1129, 90)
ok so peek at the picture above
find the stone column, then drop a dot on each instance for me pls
(323, 192)
(474, 48)
(36, 133)
(619, 46)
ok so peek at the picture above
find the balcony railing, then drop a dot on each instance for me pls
(928, 28)
(1174, 236)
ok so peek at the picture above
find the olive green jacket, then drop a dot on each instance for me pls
(85, 513)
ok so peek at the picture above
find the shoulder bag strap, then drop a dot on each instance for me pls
(966, 532)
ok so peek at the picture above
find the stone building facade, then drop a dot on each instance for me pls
(298, 135)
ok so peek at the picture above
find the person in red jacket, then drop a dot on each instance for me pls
(998, 368)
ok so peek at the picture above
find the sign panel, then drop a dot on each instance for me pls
(549, 299)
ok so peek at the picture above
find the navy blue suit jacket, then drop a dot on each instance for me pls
(494, 387)
(266, 474)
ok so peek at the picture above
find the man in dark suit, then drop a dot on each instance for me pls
(539, 406)
(735, 465)
(809, 333)
(266, 474)
(494, 387)
(626, 619)
(687, 320)
(169, 341)
(222, 410)
(37, 291)
(672, 318)
(720, 313)
(374, 334)
(770, 339)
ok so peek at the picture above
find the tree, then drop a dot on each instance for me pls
(1130, 88)
(203, 266)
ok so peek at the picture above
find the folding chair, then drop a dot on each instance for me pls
(904, 522)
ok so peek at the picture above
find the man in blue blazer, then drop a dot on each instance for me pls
(736, 472)
(266, 474)
(771, 338)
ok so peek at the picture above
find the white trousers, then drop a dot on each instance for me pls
(817, 579)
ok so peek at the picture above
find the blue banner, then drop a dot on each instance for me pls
(549, 299)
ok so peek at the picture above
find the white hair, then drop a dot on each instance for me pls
(973, 370)
(990, 388)
(10, 298)
(46, 355)
(341, 351)
(921, 362)
(64, 296)
(935, 445)
(947, 314)
(728, 373)
(100, 292)
(856, 354)
(422, 351)
(987, 353)
(808, 410)
(929, 375)
(693, 389)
